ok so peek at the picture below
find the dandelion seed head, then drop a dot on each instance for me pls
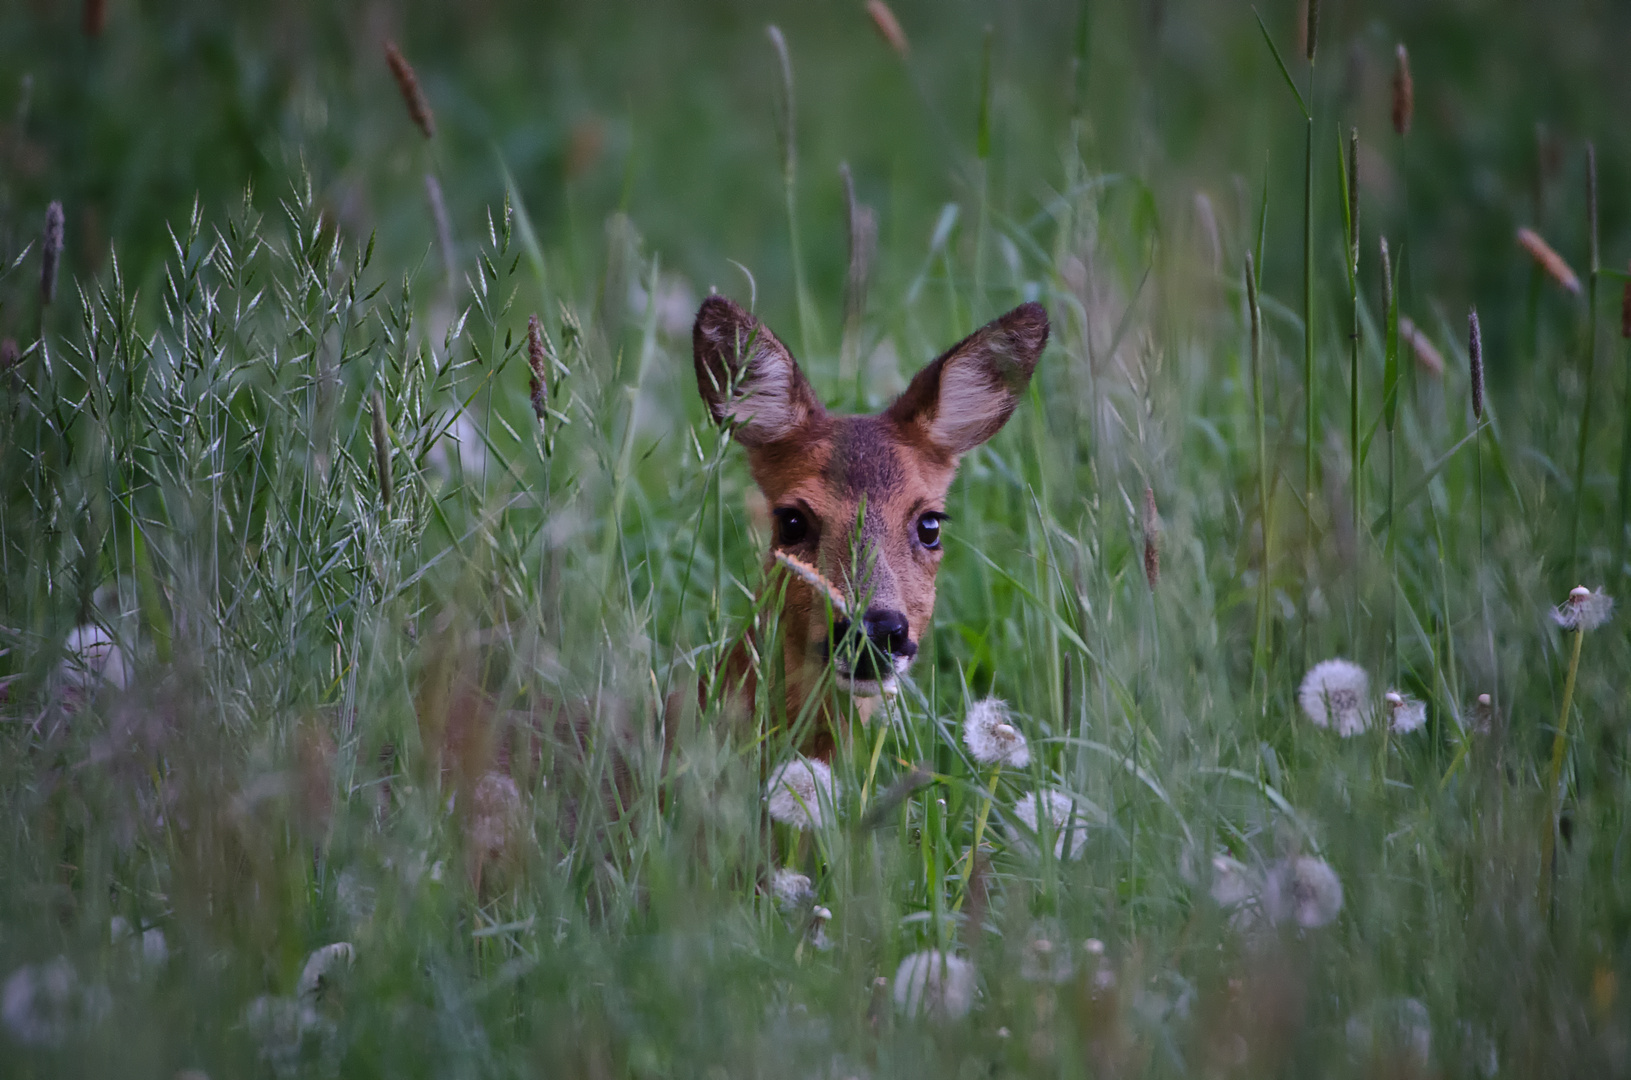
(792, 890)
(1232, 883)
(91, 659)
(495, 814)
(1405, 713)
(1305, 889)
(315, 976)
(801, 793)
(935, 984)
(1336, 694)
(1585, 609)
(991, 737)
(1065, 820)
(1045, 955)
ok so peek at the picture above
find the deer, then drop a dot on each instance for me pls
(858, 502)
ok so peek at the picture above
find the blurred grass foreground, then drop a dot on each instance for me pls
(358, 517)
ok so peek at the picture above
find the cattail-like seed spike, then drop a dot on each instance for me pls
(382, 449)
(888, 27)
(1548, 259)
(1387, 279)
(1625, 311)
(1152, 539)
(1353, 199)
(784, 109)
(1313, 10)
(50, 252)
(1475, 359)
(1404, 90)
(538, 362)
(8, 354)
(412, 95)
(1591, 206)
(1421, 346)
(95, 17)
(813, 577)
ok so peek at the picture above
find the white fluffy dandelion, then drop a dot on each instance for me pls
(1584, 609)
(792, 890)
(496, 814)
(1405, 713)
(1065, 819)
(991, 737)
(91, 658)
(1045, 956)
(1305, 889)
(41, 1004)
(1232, 882)
(317, 975)
(801, 793)
(933, 983)
(1336, 694)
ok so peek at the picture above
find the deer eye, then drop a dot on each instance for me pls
(928, 530)
(792, 527)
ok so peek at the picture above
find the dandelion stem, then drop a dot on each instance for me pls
(979, 833)
(1310, 434)
(1591, 362)
(1554, 774)
(1260, 637)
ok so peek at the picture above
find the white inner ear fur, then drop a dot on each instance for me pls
(768, 402)
(969, 406)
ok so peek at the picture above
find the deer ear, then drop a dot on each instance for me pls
(964, 397)
(745, 374)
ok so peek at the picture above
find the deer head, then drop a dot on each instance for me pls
(859, 498)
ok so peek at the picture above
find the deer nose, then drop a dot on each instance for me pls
(888, 632)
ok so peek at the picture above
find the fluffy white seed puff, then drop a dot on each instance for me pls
(1336, 694)
(1065, 820)
(1584, 609)
(801, 793)
(932, 983)
(792, 890)
(1405, 713)
(90, 658)
(1305, 889)
(991, 737)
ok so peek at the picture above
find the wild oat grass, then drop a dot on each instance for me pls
(363, 632)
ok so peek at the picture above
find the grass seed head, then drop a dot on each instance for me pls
(1404, 90)
(538, 366)
(815, 578)
(1421, 346)
(934, 984)
(1548, 260)
(888, 27)
(1353, 201)
(382, 448)
(801, 793)
(412, 96)
(1585, 609)
(94, 17)
(50, 251)
(1336, 694)
(1152, 539)
(1591, 207)
(1475, 361)
(990, 735)
(1625, 311)
(1311, 20)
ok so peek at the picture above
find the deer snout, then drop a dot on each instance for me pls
(889, 632)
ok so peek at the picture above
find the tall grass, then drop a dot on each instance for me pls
(343, 607)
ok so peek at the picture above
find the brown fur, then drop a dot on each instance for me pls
(899, 465)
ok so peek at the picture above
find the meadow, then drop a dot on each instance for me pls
(360, 522)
